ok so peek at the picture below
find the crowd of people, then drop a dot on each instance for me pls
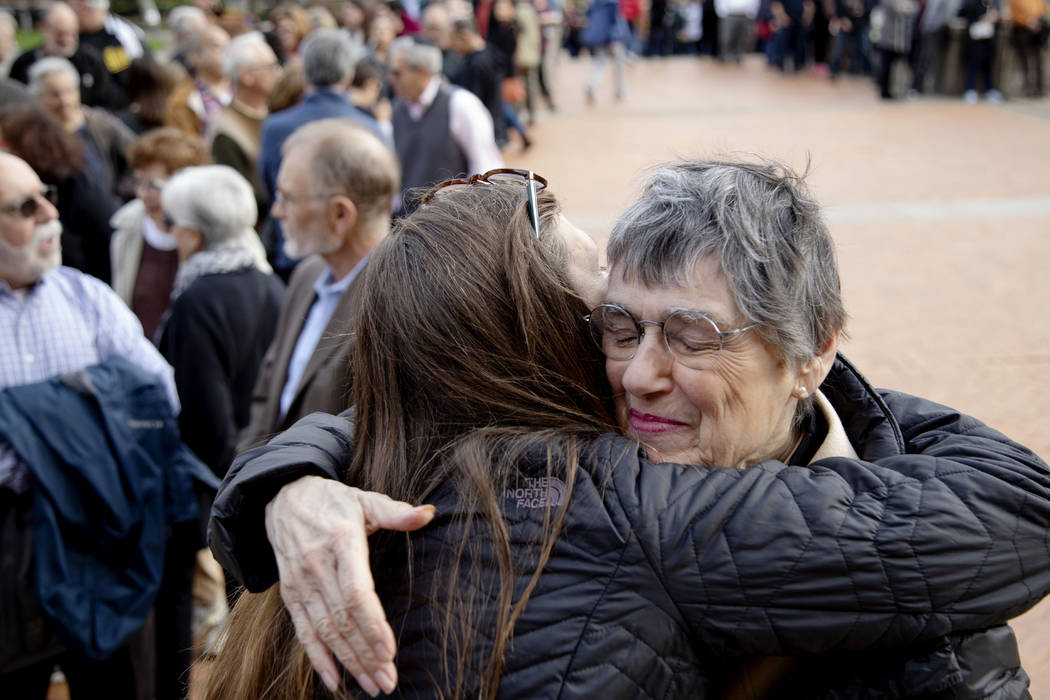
(207, 248)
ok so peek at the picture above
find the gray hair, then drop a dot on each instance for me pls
(47, 66)
(186, 19)
(346, 158)
(243, 52)
(417, 54)
(759, 223)
(214, 199)
(328, 57)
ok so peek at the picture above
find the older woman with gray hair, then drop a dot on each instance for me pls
(224, 306)
(818, 513)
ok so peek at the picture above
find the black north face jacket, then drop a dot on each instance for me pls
(669, 581)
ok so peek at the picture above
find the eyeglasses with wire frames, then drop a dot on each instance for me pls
(28, 207)
(152, 184)
(533, 184)
(692, 337)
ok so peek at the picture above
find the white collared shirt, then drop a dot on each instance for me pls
(470, 125)
(329, 292)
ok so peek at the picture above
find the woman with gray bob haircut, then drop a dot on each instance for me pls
(767, 233)
(216, 201)
(720, 328)
(223, 307)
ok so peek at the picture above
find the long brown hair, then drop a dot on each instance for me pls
(38, 138)
(469, 353)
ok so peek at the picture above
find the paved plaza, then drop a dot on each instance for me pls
(940, 210)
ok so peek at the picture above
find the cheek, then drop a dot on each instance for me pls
(614, 373)
(614, 370)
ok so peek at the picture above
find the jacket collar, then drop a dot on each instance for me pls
(865, 417)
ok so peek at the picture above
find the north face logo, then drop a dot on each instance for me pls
(538, 493)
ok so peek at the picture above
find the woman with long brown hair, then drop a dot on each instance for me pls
(470, 425)
(560, 563)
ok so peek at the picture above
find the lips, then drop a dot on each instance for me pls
(648, 423)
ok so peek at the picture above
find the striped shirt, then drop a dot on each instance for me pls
(63, 323)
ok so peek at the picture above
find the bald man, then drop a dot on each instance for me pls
(98, 88)
(55, 320)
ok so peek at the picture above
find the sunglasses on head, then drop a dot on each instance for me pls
(30, 206)
(532, 181)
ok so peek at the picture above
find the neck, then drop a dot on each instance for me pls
(792, 443)
(359, 244)
(341, 86)
(216, 84)
(252, 100)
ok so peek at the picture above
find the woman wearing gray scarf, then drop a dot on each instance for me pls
(224, 307)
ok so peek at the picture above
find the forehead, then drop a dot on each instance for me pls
(215, 37)
(704, 289)
(435, 18)
(293, 172)
(152, 169)
(58, 79)
(64, 20)
(16, 179)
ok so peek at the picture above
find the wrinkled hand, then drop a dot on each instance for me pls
(318, 529)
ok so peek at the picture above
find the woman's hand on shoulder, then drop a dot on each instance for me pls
(319, 528)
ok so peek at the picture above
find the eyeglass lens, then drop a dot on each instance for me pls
(29, 207)
(692, 338)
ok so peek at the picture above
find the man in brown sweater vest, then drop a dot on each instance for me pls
(233, 136)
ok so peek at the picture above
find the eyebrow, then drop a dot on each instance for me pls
(717, 318)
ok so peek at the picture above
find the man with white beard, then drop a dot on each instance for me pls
(55, 320)
(334, 192)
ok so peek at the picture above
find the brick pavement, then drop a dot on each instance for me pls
(940, 210)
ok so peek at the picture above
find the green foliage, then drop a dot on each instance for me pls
(28, 40)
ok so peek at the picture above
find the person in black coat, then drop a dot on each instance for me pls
(222, 318)
(98, 88)
(224, 307)
(482, 72)
(824, 516)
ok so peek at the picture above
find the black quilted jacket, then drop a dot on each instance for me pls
(669, 581)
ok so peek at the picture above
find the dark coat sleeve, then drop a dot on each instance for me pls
(849, 554)
(104, 90)
(318, 444)
(844, 554)
(196, 342)
(85, 208)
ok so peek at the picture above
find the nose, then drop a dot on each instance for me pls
(649, 372)
(45, 210)
(277, 209)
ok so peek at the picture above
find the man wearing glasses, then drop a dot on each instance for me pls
(440, 132)
(333, 196)
(55, 320)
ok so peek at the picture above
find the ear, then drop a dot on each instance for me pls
(812, 374)
(342, 215)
